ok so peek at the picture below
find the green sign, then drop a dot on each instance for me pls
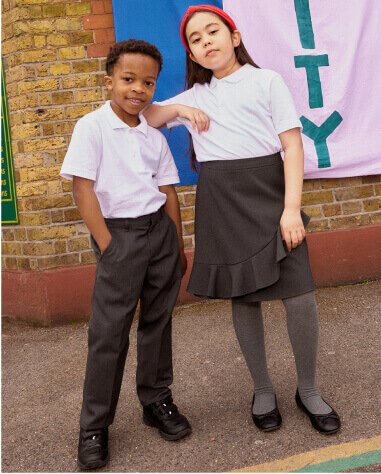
(9, 213)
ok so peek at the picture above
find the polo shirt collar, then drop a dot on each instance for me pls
(116, 122)
(233, 78)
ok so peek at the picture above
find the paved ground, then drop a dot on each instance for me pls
(43, 372)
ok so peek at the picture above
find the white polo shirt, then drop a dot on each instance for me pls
(247, 111)
(126, 163)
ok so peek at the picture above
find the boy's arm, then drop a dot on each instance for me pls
(88, 205)
(159, 115)
(172, 208)
(291, 223)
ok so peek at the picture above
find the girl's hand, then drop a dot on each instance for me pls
(292, 228)
(184, 262)
(198, 119)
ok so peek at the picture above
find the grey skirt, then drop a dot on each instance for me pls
(239, 252)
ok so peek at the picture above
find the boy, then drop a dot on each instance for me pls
(123, 175)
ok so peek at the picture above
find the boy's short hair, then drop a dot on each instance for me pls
(133, 46)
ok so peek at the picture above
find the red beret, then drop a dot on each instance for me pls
(198, 8)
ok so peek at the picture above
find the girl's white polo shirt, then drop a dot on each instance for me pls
(126, 163)
(247, 111)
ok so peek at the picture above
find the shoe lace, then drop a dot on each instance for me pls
(92, 441)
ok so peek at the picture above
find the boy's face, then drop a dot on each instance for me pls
(132, 85)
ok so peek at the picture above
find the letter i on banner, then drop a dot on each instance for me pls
(312, 63)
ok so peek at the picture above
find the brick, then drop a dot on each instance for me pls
(54, 187)
(352, 207)
(35, 218)
(82, 229)
(28, 159)
(81, 37)
(17, 44)
(85, 66)
(377, 189)
(58, 261)
(30, 189)
(188, 228)
(44, 144)
(57, 216)
(89, 95)
(45, 99)
(42, 70)
(313, 211)
(189, 199)
(25, 131)
(318, 225)
(60, 246)
(20, 234)
(371, 205)
(350, 221)
(375, 218)
(79, 243)
(72, 215)
(35, 26)
(38, 248)
(19, 73)
(108, 6)
(94, 22)
(98, 50)
(76, 82)
(371, 179)
(105, 35)
(23, 263)
(10, 263)
(188, 242)
(317, 197)
(97, 7)
(22, 102)
(69, 24)
(66, 97)
(43, 115)
(60, 69)
(75, 52)
(67, 186)
(7, 234)
(87, 257)
(10, 248)
(43, 174)
(311, 185)
(53, 232)
(77, 111)
(97, 80)
(64, 128)
(54, 10)
(187, 214)
(184, 189)
(47, 129)
(48, 202)
(58, 40)
(78, 8)
(39, 41)
(354, 193)
(332, 210)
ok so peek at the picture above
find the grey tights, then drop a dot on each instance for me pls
(303, 330)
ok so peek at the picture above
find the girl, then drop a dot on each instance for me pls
(247, 202)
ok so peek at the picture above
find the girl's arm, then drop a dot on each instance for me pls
(159, 115)
(88, 205)
(172, 208)
(291, 223)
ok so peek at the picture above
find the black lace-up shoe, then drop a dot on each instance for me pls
(326, 424)
(165, 416)
(92, 449)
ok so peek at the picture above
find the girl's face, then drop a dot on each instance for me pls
(211, 42)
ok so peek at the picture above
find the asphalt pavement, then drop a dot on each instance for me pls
(43, 370)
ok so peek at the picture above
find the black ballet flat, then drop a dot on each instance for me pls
(326, 424)
(269, 421)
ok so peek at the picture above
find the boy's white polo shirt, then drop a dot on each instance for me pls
(126, 163)
(247, 111)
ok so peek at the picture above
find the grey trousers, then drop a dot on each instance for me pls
(141, 262)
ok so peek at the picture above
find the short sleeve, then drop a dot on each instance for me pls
(84, 152)
(284, 114)
(185, 98)
(167, 172)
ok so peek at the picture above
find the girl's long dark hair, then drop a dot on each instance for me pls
(195, 73)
